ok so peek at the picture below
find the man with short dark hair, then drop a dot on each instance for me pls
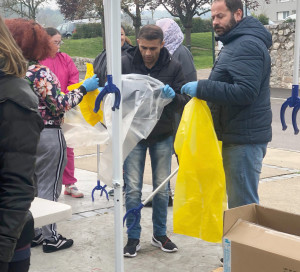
(238, 93)
(151, 58)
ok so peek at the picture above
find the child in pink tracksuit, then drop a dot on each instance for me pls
(64, 68)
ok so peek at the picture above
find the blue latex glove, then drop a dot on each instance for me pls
(167, 92)
(190, 88)
(91, 84)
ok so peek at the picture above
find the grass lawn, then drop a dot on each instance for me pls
(90, 48)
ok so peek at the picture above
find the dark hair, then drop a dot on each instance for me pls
(123, 28)
(52, 31)
(32, 38)
(233, 5)
(151, 32)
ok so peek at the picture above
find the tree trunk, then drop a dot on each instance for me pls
(138, 20)
(188, 37)
(137, 30)
(103, 30)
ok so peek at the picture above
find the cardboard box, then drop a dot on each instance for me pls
(260, 239)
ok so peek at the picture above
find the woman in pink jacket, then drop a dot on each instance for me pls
(64, 68)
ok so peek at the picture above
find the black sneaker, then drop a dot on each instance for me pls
(132, 246)
(111, 192)
(37, 240)
(149, 204)
(61, 243)
(164, 243)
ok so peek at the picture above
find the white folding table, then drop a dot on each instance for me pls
(47, 212)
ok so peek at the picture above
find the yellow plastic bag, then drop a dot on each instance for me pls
(200, 192)
(88, 102)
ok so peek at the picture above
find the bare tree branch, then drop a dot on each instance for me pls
(24, 8)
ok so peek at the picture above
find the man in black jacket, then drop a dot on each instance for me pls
(151, 58)
(238, 93)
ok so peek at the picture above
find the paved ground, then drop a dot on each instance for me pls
(92, 224)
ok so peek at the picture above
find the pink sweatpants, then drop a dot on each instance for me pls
(68, 175)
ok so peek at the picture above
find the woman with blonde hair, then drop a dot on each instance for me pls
(36, 45)
(20, 127)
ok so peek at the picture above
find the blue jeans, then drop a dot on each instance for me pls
(161, 156)
(242, 165)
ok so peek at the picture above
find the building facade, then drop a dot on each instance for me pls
(277, 10)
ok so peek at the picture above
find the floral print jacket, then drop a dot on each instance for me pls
(52, 102)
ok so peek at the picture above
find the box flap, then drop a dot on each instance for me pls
(278, 220)
(256, 236)
(231, 216)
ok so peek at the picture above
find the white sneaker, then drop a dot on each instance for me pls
(73, 191)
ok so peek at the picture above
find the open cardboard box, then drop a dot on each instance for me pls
(260, 239)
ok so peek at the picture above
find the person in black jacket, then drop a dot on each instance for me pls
(20, 127)
(100, 61)
(238, 93)
(151, 58)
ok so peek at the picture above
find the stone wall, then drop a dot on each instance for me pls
(282, 54)
(81, 63)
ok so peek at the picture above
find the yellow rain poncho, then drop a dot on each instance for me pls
(200, 193)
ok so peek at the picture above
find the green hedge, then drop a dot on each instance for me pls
(84, 31)
(262, 18)
(198, 25)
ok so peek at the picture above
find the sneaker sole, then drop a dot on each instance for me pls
(75, 196)
(138, 247)
(50, 249)
(158, 244)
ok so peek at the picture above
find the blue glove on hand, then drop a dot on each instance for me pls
(167, 92)
(190, 88)
(91, 84)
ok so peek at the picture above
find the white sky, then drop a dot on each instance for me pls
(51, 4)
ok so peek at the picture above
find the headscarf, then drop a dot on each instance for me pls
(173, 36)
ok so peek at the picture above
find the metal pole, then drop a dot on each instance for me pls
(112, 10)
(213, 41)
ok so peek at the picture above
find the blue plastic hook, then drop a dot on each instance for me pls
(100, 188)
(108, 88)
(136, 212)
(292, 102)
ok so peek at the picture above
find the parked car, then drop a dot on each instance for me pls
(68, 29)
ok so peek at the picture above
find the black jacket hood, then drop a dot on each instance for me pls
(247, 26)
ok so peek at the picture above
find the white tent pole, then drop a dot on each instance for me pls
(98, 162)
(296, 47)
(112, 10)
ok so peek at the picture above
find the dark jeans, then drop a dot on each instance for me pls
(21, 266)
